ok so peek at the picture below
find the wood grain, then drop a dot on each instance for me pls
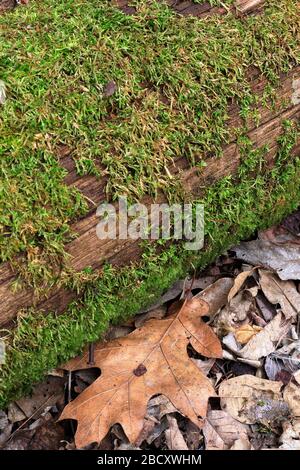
(88, 250)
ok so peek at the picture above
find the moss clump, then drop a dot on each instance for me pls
(174, 77)
(255, 198)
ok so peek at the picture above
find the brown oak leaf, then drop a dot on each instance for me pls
(158, 351)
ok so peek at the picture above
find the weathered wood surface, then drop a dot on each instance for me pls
(87, 249)
(182, 7)
(188, 7)
(7, 5)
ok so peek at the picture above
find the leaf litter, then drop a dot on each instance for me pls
(214, 364)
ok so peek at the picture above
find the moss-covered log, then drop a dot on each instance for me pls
(159, 101)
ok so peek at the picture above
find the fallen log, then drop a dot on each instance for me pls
(252, 183)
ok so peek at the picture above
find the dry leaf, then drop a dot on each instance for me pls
(286, 359)
(158, 313)
(280, 292)
(241, 444)
(291, 395)
(151, 360)
(151, 431)
(178, 288)
(239, 282)
(45, 394)
(243, 395)
(266, 341)
(246, 332)
(267, 310)
(284, 259)
(159, 407)
(290, 436)
(14, 413)
(154, 425)
(231, 343)
(216, 294)
(247, 5)
(174, 438)
(235, 313)
(204, 366)
(221, 430)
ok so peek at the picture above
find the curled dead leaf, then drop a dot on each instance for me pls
(239, 282)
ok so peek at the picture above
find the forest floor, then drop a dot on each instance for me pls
(253, 294)
(215, 362)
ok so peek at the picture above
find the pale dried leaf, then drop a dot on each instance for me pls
(241, 444)
(204, 366)
(235, 313)
(160, 406)
(45, 394)
(280, 292)
(286, 358)
(231, 343)
(221, 430)
(247, 5)
(174, 437)
(284, 259)
(241, 395)
(14, 413)
(291, 396)
(216, 294)
(266, 341)
(3, 420)
(151, 431)
(5, 434)
(290, 438)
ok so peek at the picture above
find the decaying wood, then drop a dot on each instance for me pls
(88, 250)
(188, 7)
(246, 6)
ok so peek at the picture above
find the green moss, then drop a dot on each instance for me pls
(235, 206)
(174, 78)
